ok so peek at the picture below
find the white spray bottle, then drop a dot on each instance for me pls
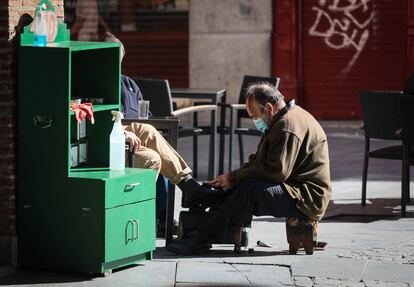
(40, 30)
(117, 143)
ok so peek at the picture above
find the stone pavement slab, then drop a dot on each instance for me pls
(335, 268)
(223, 274)
(150, 274)
(389, 272)
(212, 273)
(265, 275)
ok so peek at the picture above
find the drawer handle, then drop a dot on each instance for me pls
(129, 236)
(131, 186)
(136, 222)
(42, 121)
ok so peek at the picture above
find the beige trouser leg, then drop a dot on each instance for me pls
(147, 158)
(173, 165)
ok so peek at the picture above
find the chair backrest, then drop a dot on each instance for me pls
(249, 80)
(407, 117)
(381, 114)
(158, 92)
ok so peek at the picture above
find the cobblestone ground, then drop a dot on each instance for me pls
(400, 252)
(322, 282)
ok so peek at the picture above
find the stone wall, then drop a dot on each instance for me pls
(11, 13)
(228, 39)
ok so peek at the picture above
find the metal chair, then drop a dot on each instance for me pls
(158, 92)
(239, 111)
(382, 120)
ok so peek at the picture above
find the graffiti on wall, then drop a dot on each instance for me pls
(344, 24)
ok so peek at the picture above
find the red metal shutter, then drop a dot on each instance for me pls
(410, 36)
(348, 47)
(157, 55)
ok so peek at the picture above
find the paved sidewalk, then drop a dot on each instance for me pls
(370, 246)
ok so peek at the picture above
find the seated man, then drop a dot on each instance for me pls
(152, 151)
(288, 176)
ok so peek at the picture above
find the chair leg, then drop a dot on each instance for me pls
(195, 146)
(406, 174)
(408, 183)
(169, 214)
(241, 149)
(405, 181)
(231, 134)
(195, 156)
(365, 173)
(410, 151)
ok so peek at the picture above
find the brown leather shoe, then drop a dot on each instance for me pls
(301, 233)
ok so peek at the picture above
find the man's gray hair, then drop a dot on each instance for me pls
(263, 93)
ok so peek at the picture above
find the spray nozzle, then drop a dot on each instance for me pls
(117, 116)
(41, 8)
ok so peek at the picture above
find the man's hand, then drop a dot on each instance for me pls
(133, 140)
(222, 181)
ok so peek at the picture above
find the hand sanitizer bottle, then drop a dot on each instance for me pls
(117, 143)
(40, 30)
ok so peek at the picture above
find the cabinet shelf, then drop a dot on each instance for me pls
(99, 108)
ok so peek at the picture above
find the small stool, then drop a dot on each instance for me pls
(301, 233)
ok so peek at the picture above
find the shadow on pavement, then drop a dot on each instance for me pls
(162, 253)
(341, 211)
(32, 276)
(376, 209)
(43, 276)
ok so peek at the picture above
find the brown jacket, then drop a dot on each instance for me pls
(293, 152)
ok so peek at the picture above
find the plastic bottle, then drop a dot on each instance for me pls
(117, 143)
(40, 30)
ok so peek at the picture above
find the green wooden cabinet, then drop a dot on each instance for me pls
(84, 218)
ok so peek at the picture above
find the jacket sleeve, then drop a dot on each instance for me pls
(274, 160)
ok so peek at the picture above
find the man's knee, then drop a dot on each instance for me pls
(154, 163)
(141, 128)
(149, 129)
(147, 159)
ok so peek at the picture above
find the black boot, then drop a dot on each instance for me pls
(199, 243)
(196, 195)
(189, 187)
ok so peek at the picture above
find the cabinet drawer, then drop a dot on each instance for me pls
(129, 189)
(129, 230)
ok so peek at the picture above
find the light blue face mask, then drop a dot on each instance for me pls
(261, 126)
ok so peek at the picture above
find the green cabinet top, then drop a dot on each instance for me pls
(77, 45)
(106, 174)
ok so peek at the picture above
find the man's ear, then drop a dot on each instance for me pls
(270, 108)
(248, 103)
